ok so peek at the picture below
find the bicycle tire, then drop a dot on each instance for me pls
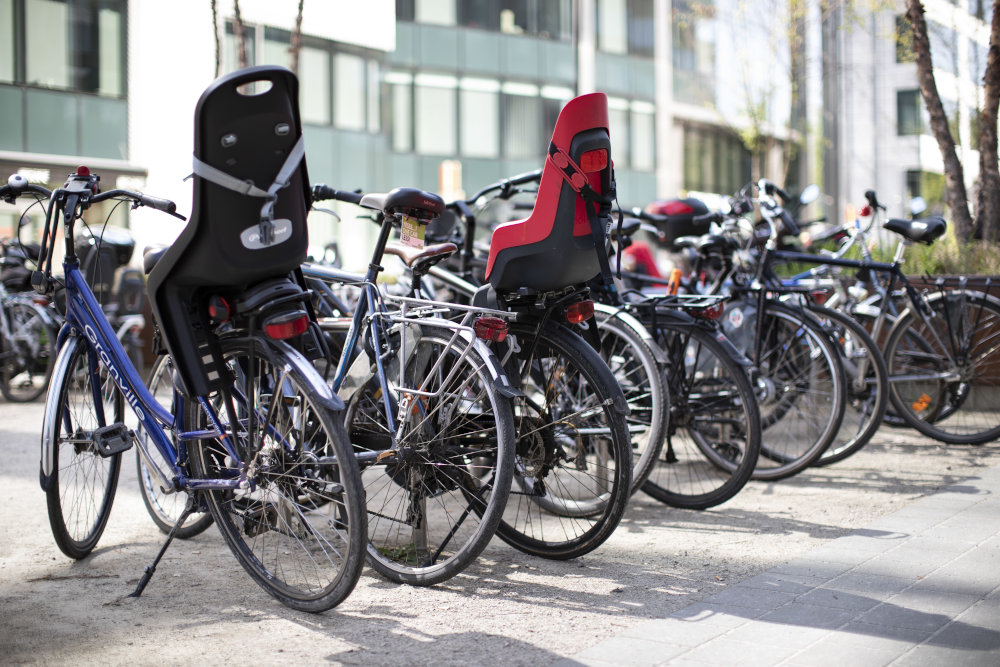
(943, 370)
(82, 488)
(28, 356)
(714, 434)
(571, 439)
(867, 397)
(434, 501)
(640, 376)
(304, 500)
(800, 388)
(164, 508)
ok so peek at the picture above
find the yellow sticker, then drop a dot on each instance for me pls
(412, 232)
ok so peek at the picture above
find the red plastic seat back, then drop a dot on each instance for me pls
(554, 246)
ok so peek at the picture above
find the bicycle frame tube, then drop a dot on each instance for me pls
(85, 316)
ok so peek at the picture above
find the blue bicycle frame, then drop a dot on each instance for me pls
(85, 317)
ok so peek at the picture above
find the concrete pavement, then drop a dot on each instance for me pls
(920, 586)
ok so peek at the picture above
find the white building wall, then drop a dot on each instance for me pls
(171, 60)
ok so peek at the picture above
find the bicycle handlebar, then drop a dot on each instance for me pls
(321, 192)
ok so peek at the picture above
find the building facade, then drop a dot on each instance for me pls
(391, 89)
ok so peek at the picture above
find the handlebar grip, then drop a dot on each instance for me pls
(159, 204)
(713, 216)
(791, 226)
(526, 177)
(321, 192)
(781, 193)
(872, 199)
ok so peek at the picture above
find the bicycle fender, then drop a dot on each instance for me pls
(493, 366)
(50, 420)
(631, 321)
(299, 363)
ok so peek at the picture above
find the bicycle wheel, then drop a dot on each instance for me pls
(867, 385)
(83, 484)
(944, 367)
(713, 440)
(800, 386)
(298, 526)
(26, 359)
(572, 476)
(435, 499)
(164, 508)
(640, 377)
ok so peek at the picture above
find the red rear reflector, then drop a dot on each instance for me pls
(594, 160)
(820, 296)
(490, 328)
(713, 312)
(865, 211)
(287, 326)
(580, 312)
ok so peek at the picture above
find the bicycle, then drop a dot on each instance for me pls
(27, 337)
(428, 403)
(256, 435)
(940, 348)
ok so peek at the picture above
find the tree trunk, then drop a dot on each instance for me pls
(243, 59)
(988, 199)
(954, 176)
(296, 41)
(218, 42)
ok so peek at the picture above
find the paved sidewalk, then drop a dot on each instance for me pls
(918, 587)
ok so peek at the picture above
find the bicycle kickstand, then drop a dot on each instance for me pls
(189, 507)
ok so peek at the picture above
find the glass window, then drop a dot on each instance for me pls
(611, 26)
(349, 91)
(47, 31)
(6, 40)
(434, 114)
(640, 27)
(439, 12)
(522, 122)
(909, 112)
(109, 58)
(514, 17)
(982, 10)
(276, 49)
(479, 118)
(230, 49)
(555, 19)
(643, 136)
(904, 41)
(944, 47)
(618, 121)
(374, 99)
(977, 60)
(404, 10)
(314, 97)
(401, 104)
(484, 14)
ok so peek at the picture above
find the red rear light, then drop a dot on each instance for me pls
(865, 211)
(288, 325)
(40, 300)
(594, 160)
(712, 312)
(580, 312)
(674, 207)
(820, 297)
(83, 171)
(218, 309)
(490, 328)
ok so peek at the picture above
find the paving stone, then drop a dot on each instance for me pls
(900, 617)
(797, 614)
(776, 634)
(631, 651)
(964, 636)
(746, 654)
(804, 567)
(879, 588)
(831, 651)
(830, 597)
(753, 598)
(686, 632)
(935, 601)
(938, 656)
(787, 583)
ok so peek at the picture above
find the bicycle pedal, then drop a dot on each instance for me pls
(112, 439)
